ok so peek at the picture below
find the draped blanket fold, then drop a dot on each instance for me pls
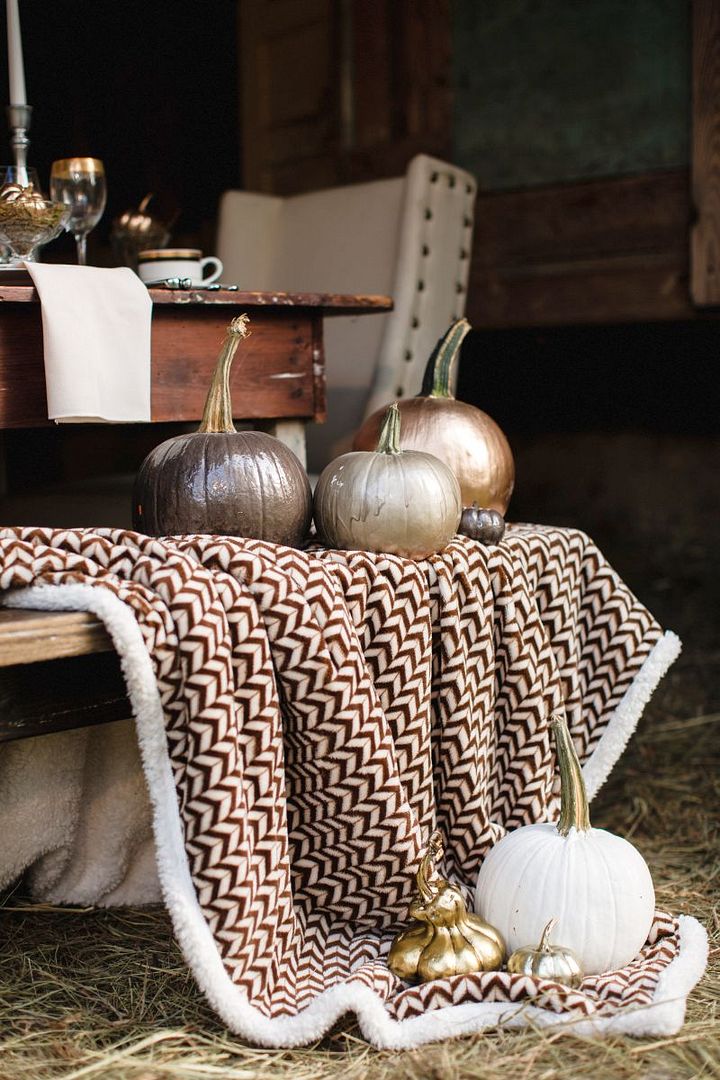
(306, 718)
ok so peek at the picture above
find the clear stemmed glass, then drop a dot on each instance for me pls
(80, 184)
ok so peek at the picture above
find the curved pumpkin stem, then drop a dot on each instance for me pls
(574, 812)
(426, 871)
(217, 414)
(389, 441)
(544, 943)
(443, 359)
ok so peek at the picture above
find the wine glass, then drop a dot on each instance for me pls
(80, 183)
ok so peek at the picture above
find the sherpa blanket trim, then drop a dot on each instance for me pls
(663, 1015)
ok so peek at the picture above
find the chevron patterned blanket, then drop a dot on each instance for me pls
(306, 718)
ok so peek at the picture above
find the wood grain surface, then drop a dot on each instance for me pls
(334, 93)
(27, 637)
(57, 695)
(272, 375)
(278, 374)
(22, 292)
(604, 251)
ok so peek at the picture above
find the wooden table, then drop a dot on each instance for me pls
(59, 670)
(280, 377)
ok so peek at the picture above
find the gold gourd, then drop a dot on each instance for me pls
(24, 195)
(447, 939)
(546, 961)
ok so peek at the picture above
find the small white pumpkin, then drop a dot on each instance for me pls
(596, 883)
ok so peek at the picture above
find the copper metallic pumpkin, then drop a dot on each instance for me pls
(401, 502)
(223, 481)
(136, 229)
(461, 435)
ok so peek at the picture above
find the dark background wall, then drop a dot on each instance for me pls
(555, 90)
(148, 86)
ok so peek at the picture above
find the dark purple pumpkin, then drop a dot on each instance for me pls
(223, 481)
(483, 524)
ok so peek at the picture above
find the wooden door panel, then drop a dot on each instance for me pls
(337, 91)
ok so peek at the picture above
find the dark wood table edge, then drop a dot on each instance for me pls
(330, 303)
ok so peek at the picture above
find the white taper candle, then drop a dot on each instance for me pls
(16, 67)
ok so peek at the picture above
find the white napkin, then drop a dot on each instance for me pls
(96, 336)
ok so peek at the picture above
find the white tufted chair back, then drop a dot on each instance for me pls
(409, 237)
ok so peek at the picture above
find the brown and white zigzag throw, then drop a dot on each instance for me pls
(306, 718)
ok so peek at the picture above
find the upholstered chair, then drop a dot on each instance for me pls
(409, 237)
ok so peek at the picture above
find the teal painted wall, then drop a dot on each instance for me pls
(555, 90)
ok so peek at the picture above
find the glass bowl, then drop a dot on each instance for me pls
(27, 221)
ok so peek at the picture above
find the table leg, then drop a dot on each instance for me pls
(292, 433)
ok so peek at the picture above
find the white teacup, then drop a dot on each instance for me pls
(157, 264)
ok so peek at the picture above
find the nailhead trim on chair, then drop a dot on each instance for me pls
(465, 250)
(460, 287)
(418, 317)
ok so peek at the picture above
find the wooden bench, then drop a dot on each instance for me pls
(58, 670)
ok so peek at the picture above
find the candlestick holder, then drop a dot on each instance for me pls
(19, 117)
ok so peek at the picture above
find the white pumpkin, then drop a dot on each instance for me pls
(596, 884)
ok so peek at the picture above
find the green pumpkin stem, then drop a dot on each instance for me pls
(389, 441)
(441, 365)
(573, 796)
(217, 414)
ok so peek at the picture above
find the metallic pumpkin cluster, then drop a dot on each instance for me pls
(445, 939)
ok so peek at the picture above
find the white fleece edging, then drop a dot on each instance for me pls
(625, 719)
(664, 1016)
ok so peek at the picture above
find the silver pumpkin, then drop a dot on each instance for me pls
(401, 502)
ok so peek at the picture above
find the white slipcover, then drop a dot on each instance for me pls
(409, 237)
